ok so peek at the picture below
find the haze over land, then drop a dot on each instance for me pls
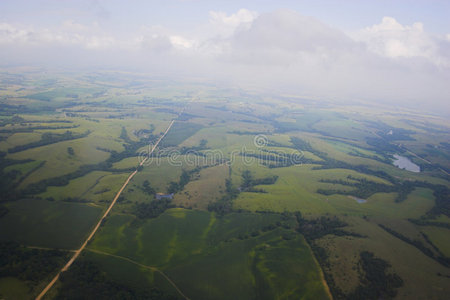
(395, 53)
(224, 150)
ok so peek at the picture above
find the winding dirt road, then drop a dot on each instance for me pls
(78, 252)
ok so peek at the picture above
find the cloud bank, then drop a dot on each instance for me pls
(279, 51)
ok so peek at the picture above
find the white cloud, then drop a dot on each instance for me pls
(392, 39)
(225, 25)
(70, 33)
(182, 42)
(285, 37)
(280, 50)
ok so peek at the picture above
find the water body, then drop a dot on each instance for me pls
(359, 200)
(404, 163)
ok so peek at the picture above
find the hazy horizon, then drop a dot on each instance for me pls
(384, 52)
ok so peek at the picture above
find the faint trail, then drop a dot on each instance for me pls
(143, 266)
(77, 252)
(49, 249)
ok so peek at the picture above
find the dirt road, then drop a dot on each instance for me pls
(78, 252)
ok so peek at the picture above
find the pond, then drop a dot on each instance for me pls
(404, 163)
(359, 200)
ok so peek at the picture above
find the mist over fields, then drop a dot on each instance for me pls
(207, 149)
(281, 50)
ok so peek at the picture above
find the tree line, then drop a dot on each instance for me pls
(31, 265)
(48, 138)
(445, 261)
(86, 280)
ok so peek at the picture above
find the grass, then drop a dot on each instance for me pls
(129, 274)
(207, 188)
(295, 190)
(418, 271)
(77, 188)
(12, 288)
(96, 186)
(215, 257)
(130, 162)
(440, 237)
(43, 223)
(179, 132)
(20, 138)
(206, 255)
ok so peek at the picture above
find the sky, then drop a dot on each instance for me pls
(386, 51)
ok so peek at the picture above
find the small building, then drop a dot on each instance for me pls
(160, 196)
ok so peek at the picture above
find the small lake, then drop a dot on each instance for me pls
(404, 163)
(359, 200)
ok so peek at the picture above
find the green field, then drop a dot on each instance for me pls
(289, 218)
(214, 250)
(42, 223)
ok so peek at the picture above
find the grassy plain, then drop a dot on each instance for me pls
(251, 249)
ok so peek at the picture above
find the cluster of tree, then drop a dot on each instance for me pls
(275, 159)
(381, 145)
(427, 239)
(305, 146)
(240, 132)
(248, 182)
(195, 149)
(152, 209)
(31, 265)
(10, 179)
(445, 261)
(74, 199)
(8, 109)
(3, 210)
(365, 188)
(147, 188)
(185, 177)
(70, 151)
(440, 192)
(7, 180)
(225, 204)
(389, 132)
(145, 132)
(425, 222)
(396, 134)
(15, 119)
(373, 157)
(85, 280)
(376, 282)
(330, 163)
(124, 135)
(403, 189)
(32, 128)
(48, 138)
(317, 228)
(130, 151)
(441, 195)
